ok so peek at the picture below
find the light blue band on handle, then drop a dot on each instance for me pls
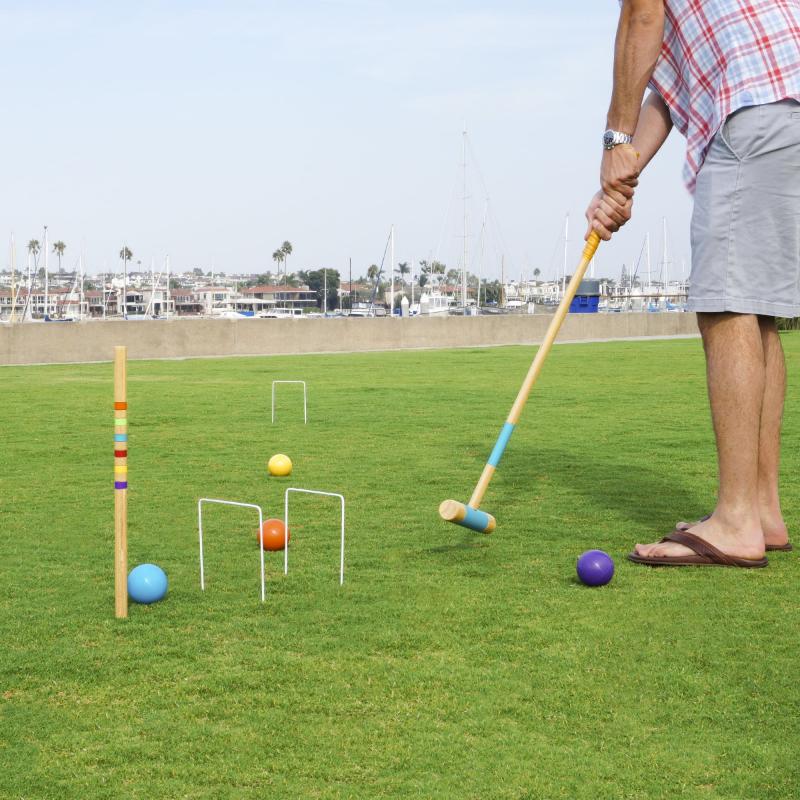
(502, 441)
(476, 520)
(120, 437)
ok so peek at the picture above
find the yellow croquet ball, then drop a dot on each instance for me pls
(280, 465)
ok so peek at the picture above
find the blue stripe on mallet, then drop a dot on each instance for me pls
(478, 520)
(500, 446)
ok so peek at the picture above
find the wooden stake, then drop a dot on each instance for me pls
(120, 483)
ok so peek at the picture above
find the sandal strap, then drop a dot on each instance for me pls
(700, 546)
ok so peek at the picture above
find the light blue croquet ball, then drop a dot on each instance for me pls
(147, 584)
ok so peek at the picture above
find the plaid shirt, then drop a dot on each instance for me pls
(721, 55)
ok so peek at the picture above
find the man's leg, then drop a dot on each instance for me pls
(735, 362)
(770, 435)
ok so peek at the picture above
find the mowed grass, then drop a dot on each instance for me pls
(450, 664)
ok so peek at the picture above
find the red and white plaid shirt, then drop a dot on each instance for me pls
(721, 55)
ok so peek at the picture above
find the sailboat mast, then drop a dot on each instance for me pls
(166, 265)
(46, 277)
(566, 242)
(82, 295)
(27, 308)
(13, 279)
(480, 263)
(105, 296)
(124, 283)
(464, 272)
(666, 259)
(391, 272)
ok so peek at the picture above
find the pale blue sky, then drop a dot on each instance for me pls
(213, 131)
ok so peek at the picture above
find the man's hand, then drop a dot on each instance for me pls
(611, 207)
(607, 214)
(619, 171)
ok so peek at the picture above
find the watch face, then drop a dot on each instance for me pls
(608, 138)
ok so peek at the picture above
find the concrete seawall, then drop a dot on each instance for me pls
(71, 342)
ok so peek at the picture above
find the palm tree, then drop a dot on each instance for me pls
(278, 257)
(33, 250)
(126, 255)
(423, 276)
(58, 248)
(403, 269)
(537, 272)
(286, 249)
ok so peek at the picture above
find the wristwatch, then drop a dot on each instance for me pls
(612, 138)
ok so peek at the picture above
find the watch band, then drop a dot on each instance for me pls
(612, 138)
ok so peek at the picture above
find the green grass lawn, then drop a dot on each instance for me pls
(450, 664)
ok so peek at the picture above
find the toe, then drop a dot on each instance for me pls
(670, 550)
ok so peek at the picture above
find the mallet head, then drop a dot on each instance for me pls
(466, 516)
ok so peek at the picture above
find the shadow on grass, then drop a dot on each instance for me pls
(577, 583)
(469, 542)
(644, 495)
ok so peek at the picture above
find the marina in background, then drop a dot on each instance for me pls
(34, 292)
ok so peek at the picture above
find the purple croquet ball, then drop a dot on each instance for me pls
(595, 568)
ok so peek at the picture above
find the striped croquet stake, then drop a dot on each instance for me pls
(120, 483)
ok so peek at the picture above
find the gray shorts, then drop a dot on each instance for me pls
(746, 220)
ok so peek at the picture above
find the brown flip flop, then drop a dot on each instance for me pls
(785, 548)
(705, 555)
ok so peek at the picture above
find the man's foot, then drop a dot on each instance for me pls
(776, 535)
(703, 554)
(741, 543)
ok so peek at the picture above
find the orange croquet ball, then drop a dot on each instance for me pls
(280, 465)
(274, 535)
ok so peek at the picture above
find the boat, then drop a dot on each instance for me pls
(434, 302)
(227, 309)
(367, 310)
(281, 313)
(227, 313)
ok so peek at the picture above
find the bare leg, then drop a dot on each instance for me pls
(772, 523)
(770, 435)
(736, 372)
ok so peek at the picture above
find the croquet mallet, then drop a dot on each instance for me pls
(470, 515)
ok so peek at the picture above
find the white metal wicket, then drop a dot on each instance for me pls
(305, 400)
(286, 524)
(200, 529)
